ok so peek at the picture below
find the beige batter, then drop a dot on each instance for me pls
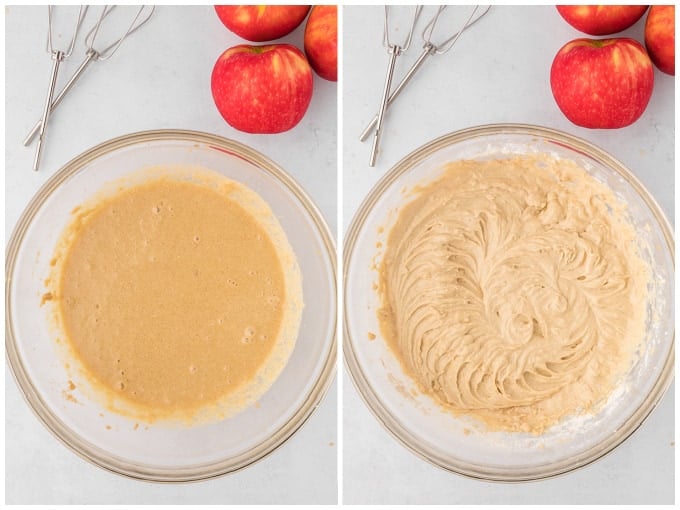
(173, 295)
(513, 291)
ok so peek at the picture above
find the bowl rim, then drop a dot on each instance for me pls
(99, 456)
(361, 381)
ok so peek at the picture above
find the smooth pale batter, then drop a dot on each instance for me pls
(513, 291)
(173, 294)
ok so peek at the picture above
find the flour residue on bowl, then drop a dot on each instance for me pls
(177, 293)
(512, 291)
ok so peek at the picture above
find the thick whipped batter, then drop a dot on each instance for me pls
(177, 293)
(513, 291)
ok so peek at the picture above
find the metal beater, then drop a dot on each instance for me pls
(58, 56)
(429, 49)
(93, 54)
(394, 50)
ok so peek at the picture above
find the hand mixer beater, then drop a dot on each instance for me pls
(394, 50)
(142, 15)
(58, 56)
(429, 49)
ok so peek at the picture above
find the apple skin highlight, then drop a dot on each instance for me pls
(602, 83)
(321, 41)
(660, 37)
(260, 23)
(262, 89)
(601, 19)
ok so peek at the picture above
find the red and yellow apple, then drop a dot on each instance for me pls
(602, 83)
(321, 41)
(259, 23)
(601, 19)
(262, 89)
(660, 37)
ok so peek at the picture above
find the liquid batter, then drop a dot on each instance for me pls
(513, 291)
(173, 294)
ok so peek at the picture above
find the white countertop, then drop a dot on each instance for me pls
(498, 72)
(159, 79)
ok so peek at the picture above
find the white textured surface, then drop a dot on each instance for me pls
(159, 79)
(498, 72)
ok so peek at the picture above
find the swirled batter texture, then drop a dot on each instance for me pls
(513, 291)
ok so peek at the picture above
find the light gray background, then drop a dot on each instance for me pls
(159, 79)
(497, 72)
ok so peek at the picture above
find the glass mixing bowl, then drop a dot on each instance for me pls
(160, 452)
(414, 418)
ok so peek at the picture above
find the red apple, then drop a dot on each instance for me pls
(262, 89)
(602, 83)
(660, 37)
(601, 19)
(321, 41)
(259, 23)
